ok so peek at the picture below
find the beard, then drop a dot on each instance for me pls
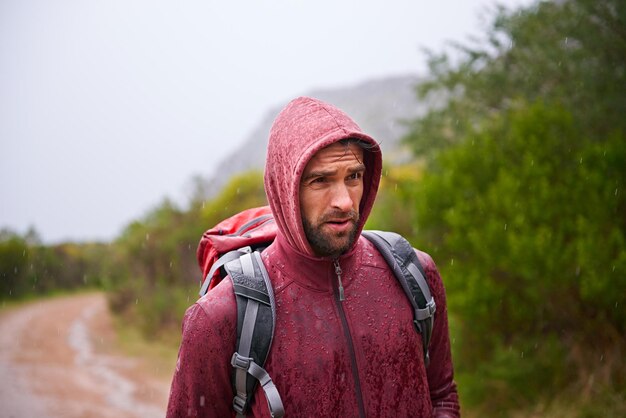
(330, 243)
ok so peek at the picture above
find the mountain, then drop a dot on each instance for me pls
(380, 107)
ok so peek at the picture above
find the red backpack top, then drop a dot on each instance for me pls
(251, 228)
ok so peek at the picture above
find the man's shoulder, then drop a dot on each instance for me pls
(425, 259)
(217, 306)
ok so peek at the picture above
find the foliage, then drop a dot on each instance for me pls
(242, 192)
(535, 239)
(522, 204)
(395, 203)
(569, 52)
(28, 268)
(13, 266)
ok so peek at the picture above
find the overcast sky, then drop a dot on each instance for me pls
(106, 107)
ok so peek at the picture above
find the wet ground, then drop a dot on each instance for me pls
(59, 358)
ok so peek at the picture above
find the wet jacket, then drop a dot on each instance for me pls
(360, 357)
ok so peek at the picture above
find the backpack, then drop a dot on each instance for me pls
(233, 248)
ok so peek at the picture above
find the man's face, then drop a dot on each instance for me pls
(331, 188)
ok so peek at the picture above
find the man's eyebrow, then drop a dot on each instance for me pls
(327, 173)
(357, 168)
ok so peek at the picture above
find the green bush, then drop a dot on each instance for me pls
(529, 220)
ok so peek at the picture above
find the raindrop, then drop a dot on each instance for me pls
(505, 226)
(581, 160)
(452, 261)
(147, 237)
(616, 192)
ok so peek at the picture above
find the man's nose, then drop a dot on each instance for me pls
(341, 198)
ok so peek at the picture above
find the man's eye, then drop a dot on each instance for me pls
(318, 180)
(355, 176)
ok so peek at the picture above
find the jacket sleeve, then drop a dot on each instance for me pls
(440, 373)
(201, 386)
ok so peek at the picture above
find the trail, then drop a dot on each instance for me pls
(58, 359)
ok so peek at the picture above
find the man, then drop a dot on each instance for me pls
(344, 343)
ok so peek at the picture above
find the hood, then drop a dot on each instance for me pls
(301, 129)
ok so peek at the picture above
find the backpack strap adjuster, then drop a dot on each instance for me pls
(239, 405)
(240, 362)
(240, 402)
(426, 312)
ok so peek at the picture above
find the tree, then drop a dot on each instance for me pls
(14, 259)
(522, 204)
(530, 216)
(569, 52)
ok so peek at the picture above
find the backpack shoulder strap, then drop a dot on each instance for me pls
(256, 313)
(229, 256)
(403, 260)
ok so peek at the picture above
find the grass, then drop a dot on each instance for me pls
(159, 354)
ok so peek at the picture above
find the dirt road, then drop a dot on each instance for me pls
(58, 358)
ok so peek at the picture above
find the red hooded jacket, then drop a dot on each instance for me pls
(360, 357)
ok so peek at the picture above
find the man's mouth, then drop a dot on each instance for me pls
(339, 221)
(340, 225)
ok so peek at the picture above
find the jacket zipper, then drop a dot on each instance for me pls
(346, 331)
(339, 282)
